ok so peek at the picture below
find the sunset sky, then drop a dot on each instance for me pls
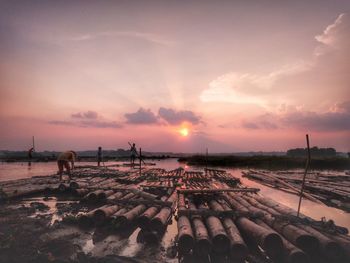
(175, 75)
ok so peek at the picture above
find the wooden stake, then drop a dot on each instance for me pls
(140, 161)
(306, 169)
(206, 162)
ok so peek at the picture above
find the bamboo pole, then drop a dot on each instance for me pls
(306, 169)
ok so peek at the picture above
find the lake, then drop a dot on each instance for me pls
(10, 171)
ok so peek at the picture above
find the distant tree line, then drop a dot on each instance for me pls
(315, 152)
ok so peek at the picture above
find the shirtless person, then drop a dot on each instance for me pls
(63, 161)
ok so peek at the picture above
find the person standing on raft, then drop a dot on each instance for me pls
(30, 156)
(133, 154)
(99, 156)
(63, 161)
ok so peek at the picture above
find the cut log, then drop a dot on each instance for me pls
(238, 248)
(185, 236)
(160, 220)
(292, 253)
(92, 197)
(295, 235)
(220, 240)
(269, 240)
(144, 220)
(86, 219)
(103, 195)
(79, 184)
(128, 217)
(100, 215)
(115, 196)
(80, 192)
(329, 247)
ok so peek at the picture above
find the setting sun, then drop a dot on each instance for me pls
(184, 132)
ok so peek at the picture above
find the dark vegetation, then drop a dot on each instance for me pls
(314, 151)
(268, 162)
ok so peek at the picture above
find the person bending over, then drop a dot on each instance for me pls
(63, 161)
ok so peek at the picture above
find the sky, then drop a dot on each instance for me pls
(177, 76)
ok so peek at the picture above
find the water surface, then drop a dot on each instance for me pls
(10, 171)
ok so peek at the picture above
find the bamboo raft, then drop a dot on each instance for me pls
(218, 219)
(333, 190)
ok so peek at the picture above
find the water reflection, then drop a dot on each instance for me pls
(309, 208)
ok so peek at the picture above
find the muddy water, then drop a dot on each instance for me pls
(9, 171)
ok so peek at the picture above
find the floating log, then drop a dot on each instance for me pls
(143, 221)
(128, 217)
(239, 190)
(86, 219)
(269, 240)
(115, 196)
(331, 249)
(343, 242)
(160, 220)
(295, 235)
(93, 196)
(291, 215)
(202, 246)
(220, 240)
(149, 237)
(292, 253)
(185, 236)
(103, 195)
(238, 249)
(63, 187)
(306, 195)
(101, 214)
(78, 184)
(80, 192)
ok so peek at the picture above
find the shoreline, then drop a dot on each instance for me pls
(268, 162)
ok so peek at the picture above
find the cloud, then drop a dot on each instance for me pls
(87, 123)
(149, 37)
(247, 88)
(327, 121)
(100, 124)
(63, 123)
(322, 76)
(142, 116)
(259, 124)
(87, 119)
(336, 119)
(333, 34)
(174, 117)
(85, 115)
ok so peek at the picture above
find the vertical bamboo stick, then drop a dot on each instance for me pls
(306, 169)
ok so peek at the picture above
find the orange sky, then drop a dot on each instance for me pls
(238, 76)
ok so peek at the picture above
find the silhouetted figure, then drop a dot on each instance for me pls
(99, 156)
(63, 161)
(133, 153)
(30, 156)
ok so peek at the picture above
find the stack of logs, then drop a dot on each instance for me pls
(237, 224)
(332, 190)
(218, 219)
(18, 188)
